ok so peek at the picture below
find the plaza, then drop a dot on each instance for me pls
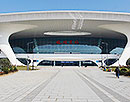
(64, 84)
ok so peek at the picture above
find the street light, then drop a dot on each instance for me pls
(28, 56)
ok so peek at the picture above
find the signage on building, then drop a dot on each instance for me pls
(67, 42)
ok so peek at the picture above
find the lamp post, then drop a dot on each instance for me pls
(27, 55)
(106, 51)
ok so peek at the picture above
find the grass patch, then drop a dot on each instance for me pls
(25, 68)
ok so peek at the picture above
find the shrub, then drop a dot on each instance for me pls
(5, 63)
(15, 69)
(124, 69)
(128, 62)
(11, 69)
(5, 70)
(1, 73)
(127, 73)
(113, 69)
(6, 66)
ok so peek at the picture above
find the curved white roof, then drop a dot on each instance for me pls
(98, 15)
(38, 23)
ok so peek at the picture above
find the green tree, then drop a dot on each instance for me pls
(128, 62)
(5, 65)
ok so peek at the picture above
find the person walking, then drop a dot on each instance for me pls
(117, 72)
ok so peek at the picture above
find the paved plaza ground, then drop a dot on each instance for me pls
(64, 84)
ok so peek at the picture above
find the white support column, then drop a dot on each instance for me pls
(5, 31)
(125, 29)
(126, 53)
(5, 47)
(9, 53)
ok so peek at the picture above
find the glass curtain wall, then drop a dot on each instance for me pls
(67, 45)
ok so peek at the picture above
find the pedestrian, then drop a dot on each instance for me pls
(117, 72)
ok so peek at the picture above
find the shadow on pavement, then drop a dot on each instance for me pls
(110, 77)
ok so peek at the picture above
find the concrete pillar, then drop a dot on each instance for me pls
(6, 49)
(125, 29)
(5, 31)
(126, 53)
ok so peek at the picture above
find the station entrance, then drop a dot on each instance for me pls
(67, 63)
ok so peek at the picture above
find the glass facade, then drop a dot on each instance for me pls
(67, 45)
(67, 63)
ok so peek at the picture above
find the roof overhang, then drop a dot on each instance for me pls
(59, 21)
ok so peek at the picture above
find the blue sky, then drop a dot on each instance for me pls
(7, 6)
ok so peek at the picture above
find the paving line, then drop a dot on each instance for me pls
(114, 95)
(99, 93)
(36, 91)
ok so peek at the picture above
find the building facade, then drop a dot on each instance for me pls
(66, 36)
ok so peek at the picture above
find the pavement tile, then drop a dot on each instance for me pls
(66, 86)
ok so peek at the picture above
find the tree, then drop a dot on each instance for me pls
(128, 62)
